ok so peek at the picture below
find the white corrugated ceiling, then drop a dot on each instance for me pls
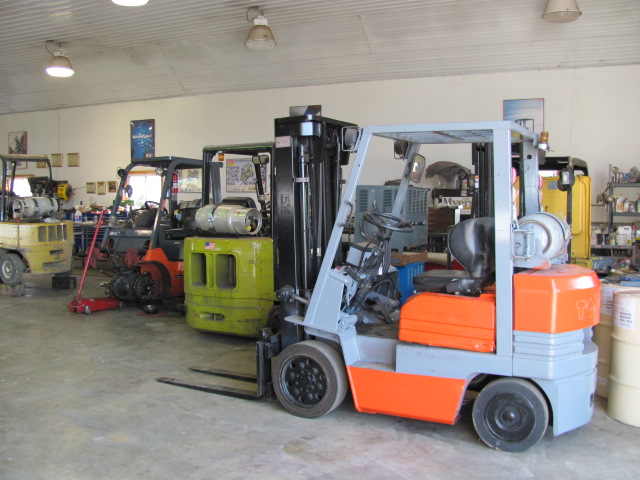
(171, 48)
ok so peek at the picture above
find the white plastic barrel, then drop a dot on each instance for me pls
(624, 377)
(602, 336)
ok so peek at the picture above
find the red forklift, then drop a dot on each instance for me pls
(145, 249)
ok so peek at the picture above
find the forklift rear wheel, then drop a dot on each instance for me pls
(11, 268)
(310, 379)
(510, 414)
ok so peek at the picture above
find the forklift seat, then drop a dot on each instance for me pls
(471, 243)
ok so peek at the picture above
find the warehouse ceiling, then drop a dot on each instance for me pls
(172, 48)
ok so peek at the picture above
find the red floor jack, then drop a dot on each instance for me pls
(88, 305)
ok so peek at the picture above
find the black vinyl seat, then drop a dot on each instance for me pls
(471, 243)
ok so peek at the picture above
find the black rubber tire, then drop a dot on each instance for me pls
(510, 414)
(11, 268)
(310, 379)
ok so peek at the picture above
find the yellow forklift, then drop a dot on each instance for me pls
(34, 235)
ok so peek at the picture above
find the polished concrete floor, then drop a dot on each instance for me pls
(79, 400)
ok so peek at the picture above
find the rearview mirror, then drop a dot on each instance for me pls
(566, 179)
(400, 148)
(417, 168)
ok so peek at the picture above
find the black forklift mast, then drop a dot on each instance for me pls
(482, 160)
(306, 188)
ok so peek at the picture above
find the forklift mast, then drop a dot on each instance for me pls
(306, 189)
(482, 159)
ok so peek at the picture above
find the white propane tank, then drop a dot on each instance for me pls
(229, 219)
(30, 208)
(547, 241)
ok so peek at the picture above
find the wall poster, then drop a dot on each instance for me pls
(241, 175)
(528, 113)
(143, 138)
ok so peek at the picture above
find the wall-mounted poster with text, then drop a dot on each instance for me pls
(143, 138)
(241, 175)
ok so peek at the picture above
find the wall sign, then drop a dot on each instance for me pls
(143, 138)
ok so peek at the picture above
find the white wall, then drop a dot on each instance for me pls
(590, 113)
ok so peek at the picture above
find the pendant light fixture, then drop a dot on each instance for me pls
(60, 65)
(260, 36)
(561, 11)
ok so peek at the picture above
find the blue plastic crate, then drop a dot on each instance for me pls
(406, 275)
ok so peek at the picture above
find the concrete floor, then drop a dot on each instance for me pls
(79, 400)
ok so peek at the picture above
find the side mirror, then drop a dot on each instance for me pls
(350, 138)
(128, 190)
(417, 168)
(566, 179)
(400, 148)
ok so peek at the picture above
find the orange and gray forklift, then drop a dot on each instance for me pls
(512, 332)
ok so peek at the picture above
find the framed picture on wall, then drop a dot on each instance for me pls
(102, 188)
(73, 159)
(143, 138)
(91, 187)
(56, 159)
(112, 186)
(17, 143)
(41, 165)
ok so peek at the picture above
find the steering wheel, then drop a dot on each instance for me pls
(386, 221)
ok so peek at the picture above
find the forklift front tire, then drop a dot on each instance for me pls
(510, 414)
(11, 268)
(310, 379)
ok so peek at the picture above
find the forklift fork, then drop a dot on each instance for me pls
(267, 347)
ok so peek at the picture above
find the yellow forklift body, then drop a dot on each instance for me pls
(47, 248)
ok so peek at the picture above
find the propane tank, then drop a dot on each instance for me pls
(548, 238)
(31, 208)
(229, 219)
